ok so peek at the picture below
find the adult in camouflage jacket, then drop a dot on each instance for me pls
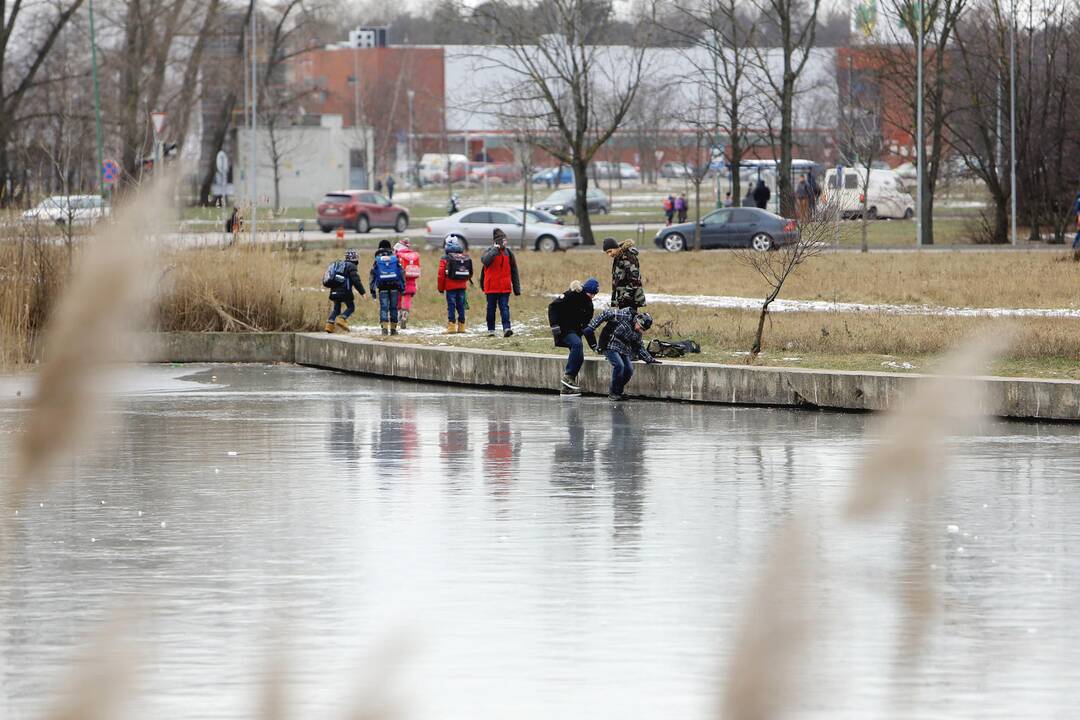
(626, 289)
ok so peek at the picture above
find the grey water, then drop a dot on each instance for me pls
(519, 555)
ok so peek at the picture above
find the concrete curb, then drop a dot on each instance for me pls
(1017, 398)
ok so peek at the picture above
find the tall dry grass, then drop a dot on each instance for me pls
(33, 272)
(240, 288)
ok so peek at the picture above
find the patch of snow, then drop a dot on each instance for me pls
(898, 365)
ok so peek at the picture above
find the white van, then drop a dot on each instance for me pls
(434, 167)
(886, 194)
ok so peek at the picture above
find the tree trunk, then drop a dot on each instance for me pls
(581, 204)
(756, 349)
(783, 181)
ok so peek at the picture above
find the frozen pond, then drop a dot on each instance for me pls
(535, 558)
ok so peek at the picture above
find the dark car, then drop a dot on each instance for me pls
(732, 228)
(561, 202)
(360, 210)
(542, 216)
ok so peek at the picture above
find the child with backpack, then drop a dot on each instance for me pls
(410, 261)
(669, 208)
(342, 278)
(455, 274)
(621, 343)
(498, 278)
(387, 284)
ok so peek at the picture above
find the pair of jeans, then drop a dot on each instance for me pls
(388, 305)
(621, 371)
(455, 302)
(577, 353)
(1076, 240)
(503, 301)
(350, 308)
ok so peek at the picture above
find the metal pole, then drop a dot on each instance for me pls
(254, 128)
(920, 148)
(409, 94)
(1012, 119)
(97, 106)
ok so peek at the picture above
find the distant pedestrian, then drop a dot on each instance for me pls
(410, 261)
(378, 185)
(455, 274)
(235, 222)
(669, 208)
(342, 278)
(621, 343)
(762, 194)
(390, 186)
(626, 285)
(568, 315)
(387, 285)
(803, 193)
(681, 207)
(498, 278)
(728, 202)
(1076, 216)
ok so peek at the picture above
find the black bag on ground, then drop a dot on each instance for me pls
(672, 349)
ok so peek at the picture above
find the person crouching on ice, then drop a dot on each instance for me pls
(568, 315)
(621, 342)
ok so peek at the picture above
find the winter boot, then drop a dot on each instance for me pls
(342, 323)
(508, 332)
(329, 327)
(451, 328)
(616, 397)
(385, 328)
(461, 327)
(569, 382)
(403, 318)
(393, 328)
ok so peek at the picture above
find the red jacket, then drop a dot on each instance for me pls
(500, 273)
(446, 283)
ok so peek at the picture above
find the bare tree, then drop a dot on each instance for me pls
(558, 62)
(28, 34)
(860, 136)
(777, 265)
(794, 23)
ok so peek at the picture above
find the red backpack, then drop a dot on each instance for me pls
(667, 203)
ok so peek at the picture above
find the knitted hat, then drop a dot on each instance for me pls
(644, 320)
(499, 237)
(610, 244)
(384, 245)
(591, 286)
(351, 255)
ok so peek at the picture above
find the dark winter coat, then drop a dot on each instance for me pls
(374, 285)
(624, 340)
(762, 195)
(345, 292)
(570, 312)
(499, 273)
(626, 289)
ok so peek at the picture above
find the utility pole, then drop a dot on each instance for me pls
(97, 105)
(920, 145)
(254, 128)
(409, 94)
(1012, 119)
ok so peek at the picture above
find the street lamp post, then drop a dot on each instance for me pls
(254, 128)
(412, 165)
(920, 145)
(97, 105)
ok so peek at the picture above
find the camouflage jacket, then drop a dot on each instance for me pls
(626, 287)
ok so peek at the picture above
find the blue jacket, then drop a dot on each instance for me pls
(374, 284)
(1076, 206)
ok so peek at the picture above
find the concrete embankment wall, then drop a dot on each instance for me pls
(684, 381)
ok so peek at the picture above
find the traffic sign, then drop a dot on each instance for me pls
(110, 171)
(158, 118)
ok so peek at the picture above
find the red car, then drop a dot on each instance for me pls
(360, 210)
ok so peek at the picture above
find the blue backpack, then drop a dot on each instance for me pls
(387, 271)
(336, 275)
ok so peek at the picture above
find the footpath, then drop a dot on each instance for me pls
(1016, 398)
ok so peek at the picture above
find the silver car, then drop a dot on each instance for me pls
(476, 226)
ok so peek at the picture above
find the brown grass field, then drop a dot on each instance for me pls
(271, 288)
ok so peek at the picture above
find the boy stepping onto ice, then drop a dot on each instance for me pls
(621, 342)
(342, 278)
(387, 284)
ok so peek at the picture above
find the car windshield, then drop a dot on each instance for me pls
(560, 196)
(337, 198)
(56, 201)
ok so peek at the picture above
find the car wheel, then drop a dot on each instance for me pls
(363, 225)
(674, 242)
(761, 242)
(401, 224)
(908, 214)
(325, 228)
(871, 213)
(547, 244)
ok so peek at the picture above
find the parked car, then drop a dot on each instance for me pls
(561, 202)
(604, 170)
(360, 210)
(542, 216)
(886, 194)
(435, 167)
(476, 226)
(731, 228)
(548, 176)
(494, 172)
(672, 170)
(73, 209)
